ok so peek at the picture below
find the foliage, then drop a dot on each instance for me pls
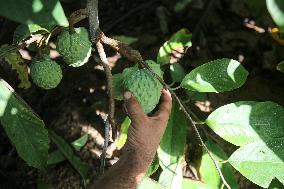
(257, 128)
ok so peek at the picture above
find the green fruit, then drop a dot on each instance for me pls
(75, 48)
(146, 88)
(45, 73)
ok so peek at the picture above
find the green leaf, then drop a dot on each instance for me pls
(280, 67)
(118, 87)
(57, 156)
(40, 12)
(258, 127)
(171, 176)
(177, 72)
(171, 149)
(148, 183)
(68, 152)
(260, 162)
(209, 174)
(123, 133)
(276, 9)
(216, 76)
(23, 31)
(23, 127)
(191, 184)
(17, 63)
(153, 167)
(245, 122)
(125, 39)
(173, 50)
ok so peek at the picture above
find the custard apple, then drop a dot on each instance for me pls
(146, 88)
(45, 73)
(75, 48)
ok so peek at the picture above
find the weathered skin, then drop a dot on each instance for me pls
(144, 136)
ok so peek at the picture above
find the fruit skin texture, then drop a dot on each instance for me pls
(75, 48)
(143, 85)
(45, 73)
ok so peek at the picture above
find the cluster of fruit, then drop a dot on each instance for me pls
(75, 49)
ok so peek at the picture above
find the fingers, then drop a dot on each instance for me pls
(165, 107)
(133, 108)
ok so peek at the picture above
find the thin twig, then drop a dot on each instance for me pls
(92, 6)
(136, 57)
(103, 156)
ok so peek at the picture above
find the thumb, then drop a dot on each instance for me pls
(133, 108)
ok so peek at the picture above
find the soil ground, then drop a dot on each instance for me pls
(221, 28)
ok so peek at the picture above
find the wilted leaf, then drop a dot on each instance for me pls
(258, 127)
(17, 63)
(216, 76)
(40, 12)
(174, 49)
(23, 127)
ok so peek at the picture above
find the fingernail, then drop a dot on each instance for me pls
(127, 95)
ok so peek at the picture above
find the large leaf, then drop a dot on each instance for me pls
(148, 183)
(171, 149)
(209, 174)
(276, 9)
(191, 184)
(258, 127)
(175, 47)
(40, 12)
(68, 152)
(260, 162)
(245, 122)
(216, 76)
(24, 128)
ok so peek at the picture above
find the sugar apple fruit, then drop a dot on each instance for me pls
(146, 88)
(45, 73)
(75, 48)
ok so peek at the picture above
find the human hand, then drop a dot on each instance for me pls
(145, 132)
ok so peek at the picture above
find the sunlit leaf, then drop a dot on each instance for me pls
(216, 76)
(209, 174)
(148, 183)
(171, 149)
(276, 9)
(174, 49)
(23, 127)
(258, 127)
(40, 12)
(23, 31)
(191, 184)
